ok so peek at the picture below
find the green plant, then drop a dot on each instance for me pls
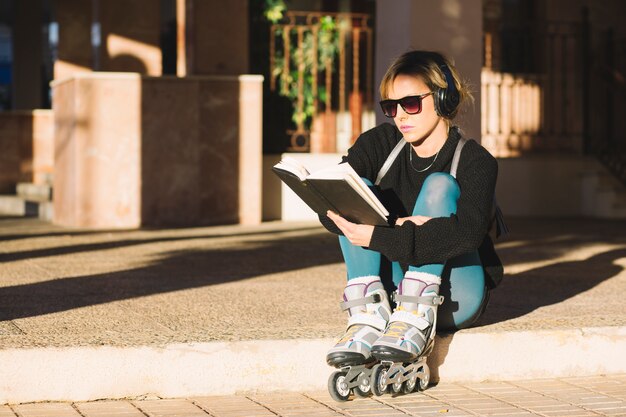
(274, 10)
(298, 78)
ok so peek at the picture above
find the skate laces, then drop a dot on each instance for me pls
(350, 333)
(396, 329)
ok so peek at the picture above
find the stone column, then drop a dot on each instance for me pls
(27, 55)
(157, 151)
(130, 36)
(74, 50)
(213, 44)
(97, 150)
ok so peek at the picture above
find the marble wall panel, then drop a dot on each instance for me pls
(66, 136)
(216, 44)
(97, 182)
(14, 149)
(74, 51)
(157, 151)
(43, 146)
(26, 148)
(130, 33)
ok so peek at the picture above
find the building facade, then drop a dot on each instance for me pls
(169, 112)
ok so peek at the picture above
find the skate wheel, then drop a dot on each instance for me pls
(338, 386)
(409, 385)
(364, 387)
(424, 378)
(379, 374)
(396, 387)
(360, 391)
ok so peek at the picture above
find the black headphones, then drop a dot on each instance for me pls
(446, 99)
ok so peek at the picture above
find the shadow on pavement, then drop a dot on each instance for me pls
(523, 293)
(177, 270)
(113, 244)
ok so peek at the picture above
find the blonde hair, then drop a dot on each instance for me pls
(427, 66)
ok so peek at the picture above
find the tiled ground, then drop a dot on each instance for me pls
(567, 397)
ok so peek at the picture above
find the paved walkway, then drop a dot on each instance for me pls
(96, 311)
(67, 287)
(567, 397)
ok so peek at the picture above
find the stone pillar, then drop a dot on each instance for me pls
(213, 44)
(97, 150)
(16, 130)
(453, 27)
(74, 50)
(130, 36)
(158, 151)
(27, 55)
(43, 146)
(182, 26)
(26, 142)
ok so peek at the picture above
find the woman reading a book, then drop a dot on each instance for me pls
(439, 242)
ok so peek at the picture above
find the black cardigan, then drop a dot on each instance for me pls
(440, 239)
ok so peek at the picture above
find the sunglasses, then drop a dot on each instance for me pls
(410, 104)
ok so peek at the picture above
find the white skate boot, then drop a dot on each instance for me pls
(410, 335)
(368, 305)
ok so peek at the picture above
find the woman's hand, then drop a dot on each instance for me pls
(418, 220)
(357, 234)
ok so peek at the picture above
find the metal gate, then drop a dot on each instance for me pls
(555, 86)
(323, 62)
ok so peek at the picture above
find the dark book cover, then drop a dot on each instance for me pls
(347, 202)
(303, 190)
(337, 195)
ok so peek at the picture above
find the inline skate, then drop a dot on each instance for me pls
(367, 304)
(409, 338)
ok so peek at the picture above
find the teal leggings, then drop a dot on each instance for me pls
(463, 280)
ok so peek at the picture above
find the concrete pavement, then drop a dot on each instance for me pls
(226, 309)
(567, 397)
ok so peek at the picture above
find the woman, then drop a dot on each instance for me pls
(441, 230)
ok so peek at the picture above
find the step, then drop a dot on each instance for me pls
(224, 368)
(34, 192)
(603, 195)
(13, 205)
(16, 206)
(214, 310)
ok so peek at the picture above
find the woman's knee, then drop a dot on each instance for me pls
(438, 196)
(441, 185)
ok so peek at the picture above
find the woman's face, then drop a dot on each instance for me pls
(415, 127)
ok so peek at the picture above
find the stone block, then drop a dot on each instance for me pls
(157, 151)
(26, 148)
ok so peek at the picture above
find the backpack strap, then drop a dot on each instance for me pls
(501, 227)
(389, 161)
(457, 156)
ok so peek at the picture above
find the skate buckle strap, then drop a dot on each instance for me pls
(374, 298)
(372, 320)
(431, 300)
(414, 320)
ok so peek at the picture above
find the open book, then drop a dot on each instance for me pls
(337, 188)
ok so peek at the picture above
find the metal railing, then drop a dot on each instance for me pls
(555, 86)
(532, 88)
(606, 103)
(326, 83)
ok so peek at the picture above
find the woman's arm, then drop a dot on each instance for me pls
(439, 239)
(367, 156)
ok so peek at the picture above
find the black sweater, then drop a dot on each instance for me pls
(439, 239)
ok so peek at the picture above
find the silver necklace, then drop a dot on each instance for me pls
(425, 169)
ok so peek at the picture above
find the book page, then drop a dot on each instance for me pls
(293, 166)
(346, 172)
(338, 171)
(364, 190)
